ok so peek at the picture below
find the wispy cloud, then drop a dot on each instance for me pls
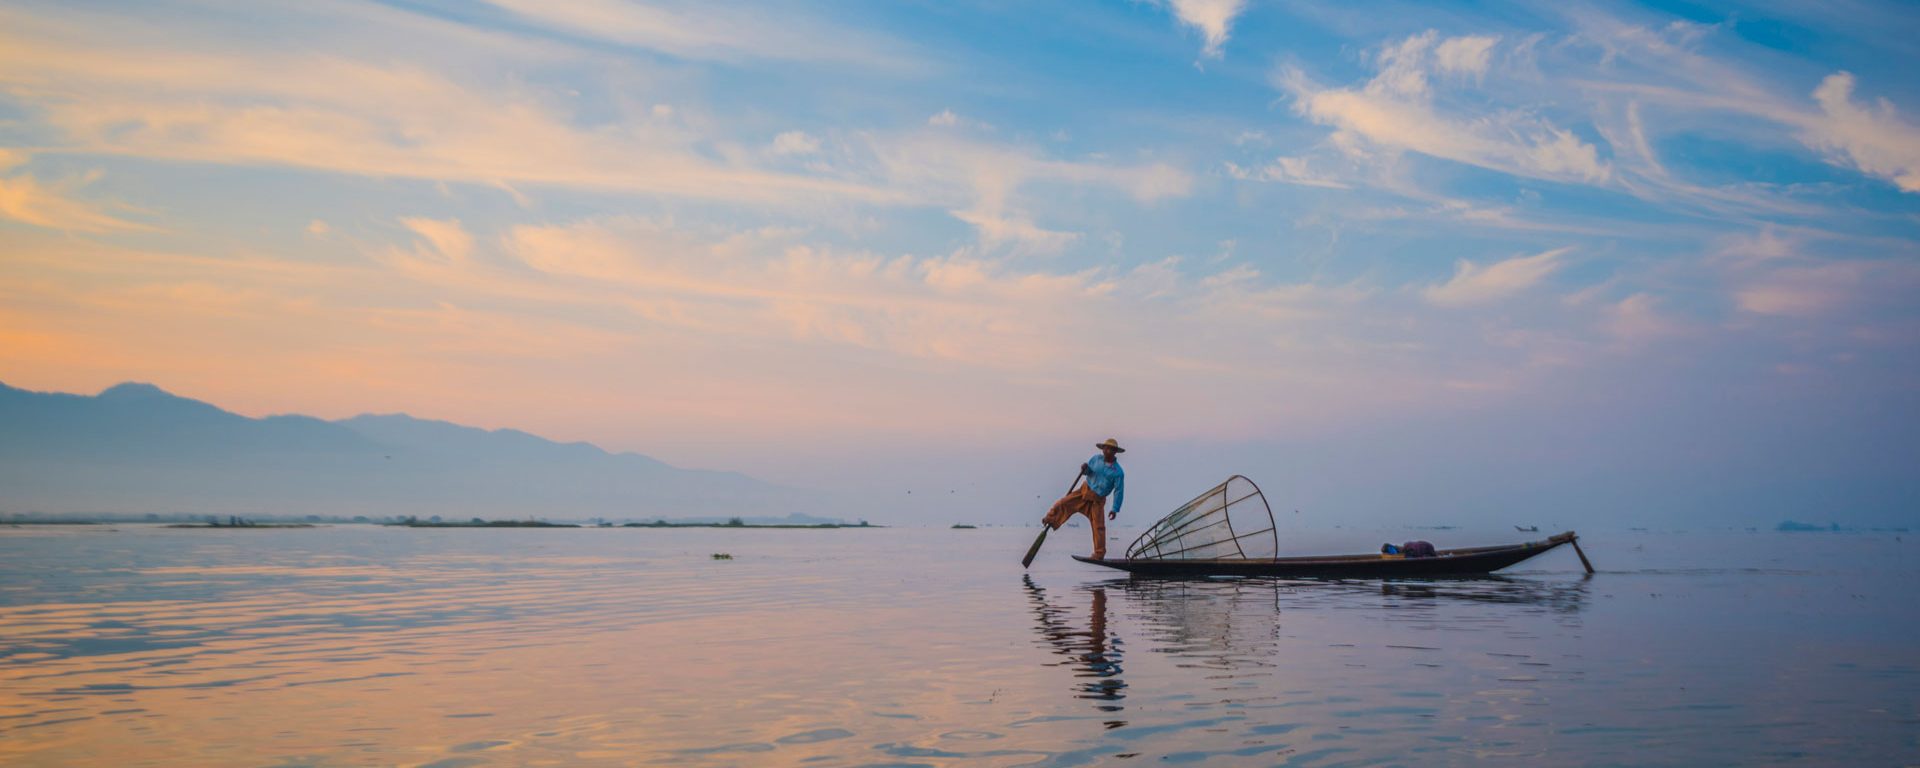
(948, 118)
(716, 30)
(1213, 19)
(127, 94)
(988, 184)
(1661, 66)
(1429, 97)
(1018, 231)
(1873, 138)
(1480, 283)
(1396, 111)
(1290, 170)
(1468, 55)
(795, 143)
(1816, 283)
(1802, 291)
(324, 113)
(54, 206)
(447, 238)
(1638, 318)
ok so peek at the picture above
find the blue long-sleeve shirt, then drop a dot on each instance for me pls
(1108, 480)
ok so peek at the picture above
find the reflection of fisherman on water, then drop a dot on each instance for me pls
(1093, 653)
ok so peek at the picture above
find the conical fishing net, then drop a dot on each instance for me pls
(1230, 522)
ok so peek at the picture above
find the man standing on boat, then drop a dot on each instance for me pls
(1104, 479)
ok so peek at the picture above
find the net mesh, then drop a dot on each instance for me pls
(1230, 522)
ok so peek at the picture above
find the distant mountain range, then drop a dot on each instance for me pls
(135, 448)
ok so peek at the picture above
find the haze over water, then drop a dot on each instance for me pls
(135, 645)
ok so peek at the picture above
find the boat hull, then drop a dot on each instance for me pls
(1448, 562)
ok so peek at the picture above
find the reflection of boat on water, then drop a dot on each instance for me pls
(1235, 624)
(1198, 601)
(1229, 531)
(1093, 653)
(1208, 624)
(1235, 630)
(1558, 596)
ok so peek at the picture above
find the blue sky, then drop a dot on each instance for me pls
(1650, 263)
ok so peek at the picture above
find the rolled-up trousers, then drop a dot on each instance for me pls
(1082, 501)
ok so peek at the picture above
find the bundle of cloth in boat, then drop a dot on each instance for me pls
(1410, 549)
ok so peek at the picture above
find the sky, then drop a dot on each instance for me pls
(1537, 262)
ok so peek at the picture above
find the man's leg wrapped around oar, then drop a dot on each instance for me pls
(1082, 501)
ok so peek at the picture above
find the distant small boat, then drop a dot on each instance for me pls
(963, 526)
(1527, 528)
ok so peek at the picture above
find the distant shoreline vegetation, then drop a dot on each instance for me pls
(736, 522)
(1795, 526)
(205, 521)
(479, 523)
(248, 525)
(729, 523)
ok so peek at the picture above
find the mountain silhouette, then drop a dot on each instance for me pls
(136, 448)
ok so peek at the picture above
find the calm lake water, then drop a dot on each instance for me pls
(134, 645)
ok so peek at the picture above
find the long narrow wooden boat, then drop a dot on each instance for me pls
(1229, 531)
(1447, 562)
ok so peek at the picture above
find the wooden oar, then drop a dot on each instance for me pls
(1574, 539)
(1027, 562)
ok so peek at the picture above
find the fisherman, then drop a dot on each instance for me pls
(1104, 478)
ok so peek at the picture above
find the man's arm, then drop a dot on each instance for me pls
(1119, 495)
